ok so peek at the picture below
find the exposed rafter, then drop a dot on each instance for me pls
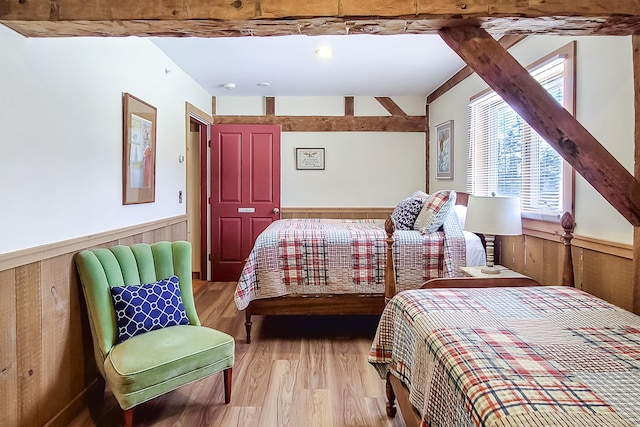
(556, 125)
(390, 105)
(506, 41)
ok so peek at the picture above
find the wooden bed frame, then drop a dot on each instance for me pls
(334, 304)
(396, 390)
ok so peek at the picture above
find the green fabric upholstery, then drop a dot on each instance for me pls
(153, 363)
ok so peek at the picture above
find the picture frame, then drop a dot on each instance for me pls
(444, 150)
(138, 151)
(310, 158)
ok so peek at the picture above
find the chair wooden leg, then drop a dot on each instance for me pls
(128, 417)
(96, 395)
(227, 385)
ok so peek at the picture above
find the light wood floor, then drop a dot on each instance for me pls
(297, 371)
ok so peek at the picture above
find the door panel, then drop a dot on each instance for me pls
(230, 167)
(231, 234)
(261, 166)
(245, 191)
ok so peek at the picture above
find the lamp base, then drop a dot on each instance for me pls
(489, 270)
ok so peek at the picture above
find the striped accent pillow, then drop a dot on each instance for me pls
(435, 211)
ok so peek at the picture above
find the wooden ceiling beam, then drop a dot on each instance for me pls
(107, 10)
(225, 18)
(556, 125)
(333, 123)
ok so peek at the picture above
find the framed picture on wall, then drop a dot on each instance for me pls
(444, 150)
(138, 151)
(310, 158)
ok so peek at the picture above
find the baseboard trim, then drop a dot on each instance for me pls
(68, 413)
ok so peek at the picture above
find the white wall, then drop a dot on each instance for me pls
(604, 106)
(61, 135)
(362, 169)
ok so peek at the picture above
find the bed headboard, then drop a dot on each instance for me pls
(462, 198)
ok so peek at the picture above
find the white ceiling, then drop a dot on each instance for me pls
(362, 65)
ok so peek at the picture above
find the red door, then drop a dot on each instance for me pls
(245, 192)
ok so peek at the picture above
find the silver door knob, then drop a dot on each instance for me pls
(276, 210)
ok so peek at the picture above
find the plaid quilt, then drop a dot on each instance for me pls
(325, 256)
(512, 357)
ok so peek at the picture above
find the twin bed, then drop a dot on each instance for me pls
(521, 355)
(324, 266)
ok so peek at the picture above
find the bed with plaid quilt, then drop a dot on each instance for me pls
(329, 256)
(535, 356)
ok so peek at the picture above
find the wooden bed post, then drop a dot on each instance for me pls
(248, 323)
(389, 272)
(391, 398)
(568, 224)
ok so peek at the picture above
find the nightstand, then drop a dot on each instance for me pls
(504, 272)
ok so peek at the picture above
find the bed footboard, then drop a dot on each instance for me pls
(479, 282)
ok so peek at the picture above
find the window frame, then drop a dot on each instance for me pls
(568, 53)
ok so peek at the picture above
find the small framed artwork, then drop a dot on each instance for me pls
(310, 158)
(444, 150)
(138, 151)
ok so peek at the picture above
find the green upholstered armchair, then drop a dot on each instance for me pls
(152, 363)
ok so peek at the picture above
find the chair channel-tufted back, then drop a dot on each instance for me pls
(100, 269)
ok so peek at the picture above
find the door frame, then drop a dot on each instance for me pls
(203, 121)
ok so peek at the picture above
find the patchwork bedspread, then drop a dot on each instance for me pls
(537, 356)
(324, 256)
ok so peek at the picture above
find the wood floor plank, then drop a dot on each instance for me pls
(312, 374)
(297, 371)
(277, 405)
(314, 408)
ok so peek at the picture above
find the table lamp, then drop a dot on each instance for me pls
(493, 216)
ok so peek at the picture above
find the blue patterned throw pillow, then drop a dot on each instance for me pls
(144, 308)
(406, 212)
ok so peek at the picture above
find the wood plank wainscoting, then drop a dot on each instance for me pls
(604, 269)
(46, 354)
(336, 213)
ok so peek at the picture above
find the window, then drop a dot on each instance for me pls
(508, 158)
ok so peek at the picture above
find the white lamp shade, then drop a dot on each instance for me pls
(494, 215)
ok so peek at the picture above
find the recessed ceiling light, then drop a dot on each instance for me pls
(324, 52)
(263, 84)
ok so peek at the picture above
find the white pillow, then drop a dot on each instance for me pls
(461, 213)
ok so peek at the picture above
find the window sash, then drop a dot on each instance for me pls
(507, 157)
